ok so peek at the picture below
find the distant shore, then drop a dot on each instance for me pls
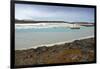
(20, 25)
(42, 25)
(76, 51)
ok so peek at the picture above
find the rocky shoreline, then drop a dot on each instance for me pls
(76, 51)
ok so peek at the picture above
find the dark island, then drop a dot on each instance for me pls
(76, 51)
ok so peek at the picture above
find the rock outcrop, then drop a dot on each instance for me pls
(76, 51)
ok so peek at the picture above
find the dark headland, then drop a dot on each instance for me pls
(76, 51)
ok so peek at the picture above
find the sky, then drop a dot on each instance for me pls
(53, 13)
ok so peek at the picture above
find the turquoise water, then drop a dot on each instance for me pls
(56, 29)
(27, 38)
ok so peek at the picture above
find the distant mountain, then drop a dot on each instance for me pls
(25, 21)
(81, 22)
(32, 21)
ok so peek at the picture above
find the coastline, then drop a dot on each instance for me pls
(58, 43)
(77, 51)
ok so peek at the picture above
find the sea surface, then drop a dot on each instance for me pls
(35, 37)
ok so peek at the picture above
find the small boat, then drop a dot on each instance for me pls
(75, 26)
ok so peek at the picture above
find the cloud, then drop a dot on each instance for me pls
(41, 12)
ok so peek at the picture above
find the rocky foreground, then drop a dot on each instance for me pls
(76, 51)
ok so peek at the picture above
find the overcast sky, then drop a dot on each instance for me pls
(53, 13)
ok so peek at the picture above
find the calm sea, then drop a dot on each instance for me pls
(33, 37)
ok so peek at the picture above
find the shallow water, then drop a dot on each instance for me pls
(32, 37)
